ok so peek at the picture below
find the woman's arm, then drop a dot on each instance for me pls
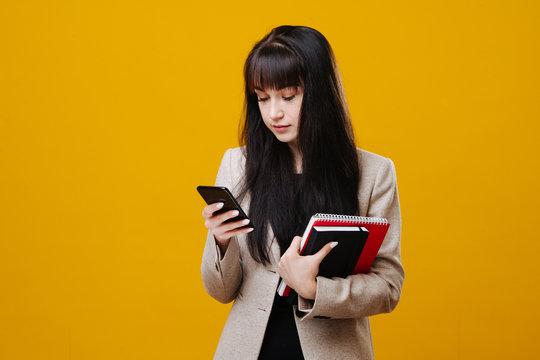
(379, 290)
(222, 273)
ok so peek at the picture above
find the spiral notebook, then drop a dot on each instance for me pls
(375, 226)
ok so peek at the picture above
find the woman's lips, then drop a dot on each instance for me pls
(281, 128)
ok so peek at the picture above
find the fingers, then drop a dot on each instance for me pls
(209, 210)
(228, 227)
(221, 230)
(239, 231)
(227, 231)
(212, 220)
(325, 251)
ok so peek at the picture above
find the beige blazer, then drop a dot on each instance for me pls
(336, 324)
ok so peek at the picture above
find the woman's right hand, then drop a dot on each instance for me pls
(223, 232)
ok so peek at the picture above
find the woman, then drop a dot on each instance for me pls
(298, 158)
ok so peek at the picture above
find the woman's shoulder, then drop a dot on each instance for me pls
(371, 163)
(237, 152)
(234, 160)
(368, 158)
(236, 156)
(232, 168)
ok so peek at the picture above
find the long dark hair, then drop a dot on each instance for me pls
(301, 56)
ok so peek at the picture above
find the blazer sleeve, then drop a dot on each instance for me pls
(379, 290)
(222, 274)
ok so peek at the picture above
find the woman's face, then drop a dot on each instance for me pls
(280, 110)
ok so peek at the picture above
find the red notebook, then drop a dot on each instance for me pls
(377, 228)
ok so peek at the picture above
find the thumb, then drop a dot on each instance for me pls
(295, 244)
(320, 255)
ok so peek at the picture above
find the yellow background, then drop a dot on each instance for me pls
(112, 112)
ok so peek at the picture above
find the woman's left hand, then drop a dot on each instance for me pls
(300, 272)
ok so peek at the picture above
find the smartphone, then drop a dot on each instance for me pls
(214, 194)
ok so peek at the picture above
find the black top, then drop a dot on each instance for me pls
(281, 337)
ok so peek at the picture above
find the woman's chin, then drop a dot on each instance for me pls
(285, 138)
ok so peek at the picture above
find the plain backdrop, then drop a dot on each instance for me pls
(112, 112)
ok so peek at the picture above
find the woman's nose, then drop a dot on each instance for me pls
(275, 110)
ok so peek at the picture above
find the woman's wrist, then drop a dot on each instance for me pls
(223, 245)
(309, 291)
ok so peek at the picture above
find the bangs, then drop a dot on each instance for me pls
(273, 67)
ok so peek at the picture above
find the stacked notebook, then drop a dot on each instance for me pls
(359, 241)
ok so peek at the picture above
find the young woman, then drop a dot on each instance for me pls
(298, 157)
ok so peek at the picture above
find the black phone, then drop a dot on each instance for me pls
(214, 194)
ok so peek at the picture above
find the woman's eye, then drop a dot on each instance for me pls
(288, 98)
(262, 99)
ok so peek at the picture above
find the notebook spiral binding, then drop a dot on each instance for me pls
(351, 218)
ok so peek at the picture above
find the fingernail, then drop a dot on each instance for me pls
(219, 205)
(250, 230)
(235, 212)
(333, 245)
(245, 222)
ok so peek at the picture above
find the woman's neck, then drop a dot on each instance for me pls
(297, 157)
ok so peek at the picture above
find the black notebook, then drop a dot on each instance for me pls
(343, 258)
